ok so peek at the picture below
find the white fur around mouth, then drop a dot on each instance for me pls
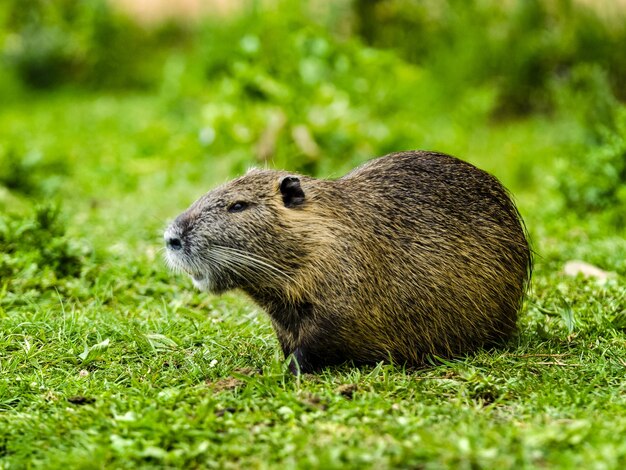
(201, 280)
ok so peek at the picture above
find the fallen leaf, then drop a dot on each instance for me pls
(81, 400)
(229, 383)
(347, 390)
(575, 267)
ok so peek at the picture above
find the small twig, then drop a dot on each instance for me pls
(556, 363)
(539, 355)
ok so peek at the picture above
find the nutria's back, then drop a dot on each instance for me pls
(412, 254)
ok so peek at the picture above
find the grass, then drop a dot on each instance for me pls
(124, 365)
(107, 360)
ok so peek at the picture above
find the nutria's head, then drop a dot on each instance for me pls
(240, 234)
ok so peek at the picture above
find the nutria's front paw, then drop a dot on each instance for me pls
(300, 362)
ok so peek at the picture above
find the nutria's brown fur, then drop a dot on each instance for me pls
(410, 255)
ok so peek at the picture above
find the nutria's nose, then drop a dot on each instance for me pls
(173, 243)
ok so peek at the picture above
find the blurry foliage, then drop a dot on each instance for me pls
(585, 96)
(35, 251)
(518, 46)
(50, 43)
(284, 90)
(28, 173)
(592, 178)
(273, 86)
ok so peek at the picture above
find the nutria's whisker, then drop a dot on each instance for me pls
(252, 260)
(255, 273)
(172, 264)
(227, 262)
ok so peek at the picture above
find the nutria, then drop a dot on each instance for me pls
(410, 256)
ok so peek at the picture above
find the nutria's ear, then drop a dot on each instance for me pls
(292, 192)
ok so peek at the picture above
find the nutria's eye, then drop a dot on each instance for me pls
(238, 206)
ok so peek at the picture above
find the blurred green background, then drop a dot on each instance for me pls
(131, 100)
